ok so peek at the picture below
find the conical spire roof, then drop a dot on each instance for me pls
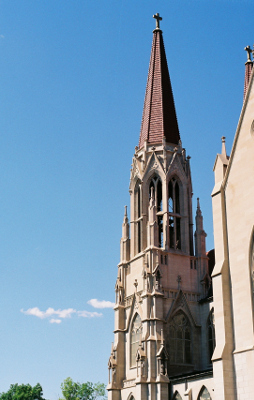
(159, 115)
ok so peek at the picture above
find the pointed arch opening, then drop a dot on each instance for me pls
(211, 334)
(180, 339)
(138, 216)
(155, 186)
(177, 396)
(174, 214)
(135, 338)
(204, 394)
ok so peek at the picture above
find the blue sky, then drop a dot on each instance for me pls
(73, 77)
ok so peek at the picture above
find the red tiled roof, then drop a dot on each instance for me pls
(159, 115)
(248, 69)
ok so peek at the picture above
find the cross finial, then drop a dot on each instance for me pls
(158, 19)
(248, 49)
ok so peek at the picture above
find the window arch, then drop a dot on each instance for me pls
(135, 339)
(204, 394)
(177, 396)
(211, 334)
(180, 339)
(138, 216)
(156, 184)
(174, 214)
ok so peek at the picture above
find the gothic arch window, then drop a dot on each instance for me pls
(180, 339)
(135, 338)
(204, 394)
(157, 191)
(211, 334)
(138, 216)
(177, 396)
(174, 214)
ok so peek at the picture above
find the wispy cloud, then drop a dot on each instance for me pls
(88, 314)
(55, 321)
(56, 316)
(101, 303)
(49, 312)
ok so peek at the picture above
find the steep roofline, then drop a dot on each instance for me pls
(159, 118)
(239, 125)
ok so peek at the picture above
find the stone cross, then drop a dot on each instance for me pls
(248, 49)
(158, 19)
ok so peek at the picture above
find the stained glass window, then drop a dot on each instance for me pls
(180, 340)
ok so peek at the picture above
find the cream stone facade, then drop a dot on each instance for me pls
(169, 313)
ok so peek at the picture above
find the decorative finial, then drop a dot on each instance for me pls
(179, 280)
(223, 148)
(125, 211)
(158, 19)
(248, 49)
(198, 204)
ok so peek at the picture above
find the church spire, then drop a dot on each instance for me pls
(159, 116)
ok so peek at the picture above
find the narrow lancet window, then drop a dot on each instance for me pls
(211, 334)
(138, 217)
(180, 340)
(139, 221)
(159, 196)
(174, 214)
(157, 190)
(204, 394)
(136, 336)
(177, 396)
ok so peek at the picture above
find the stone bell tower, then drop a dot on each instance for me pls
(160, 279)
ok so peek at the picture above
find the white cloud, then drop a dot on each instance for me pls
(49, 312)
(65, 313)
(56, 316)
(88, 314)
(101, 303)
(37, 312)
(55, 321)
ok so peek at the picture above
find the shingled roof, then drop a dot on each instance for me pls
(159, 115)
